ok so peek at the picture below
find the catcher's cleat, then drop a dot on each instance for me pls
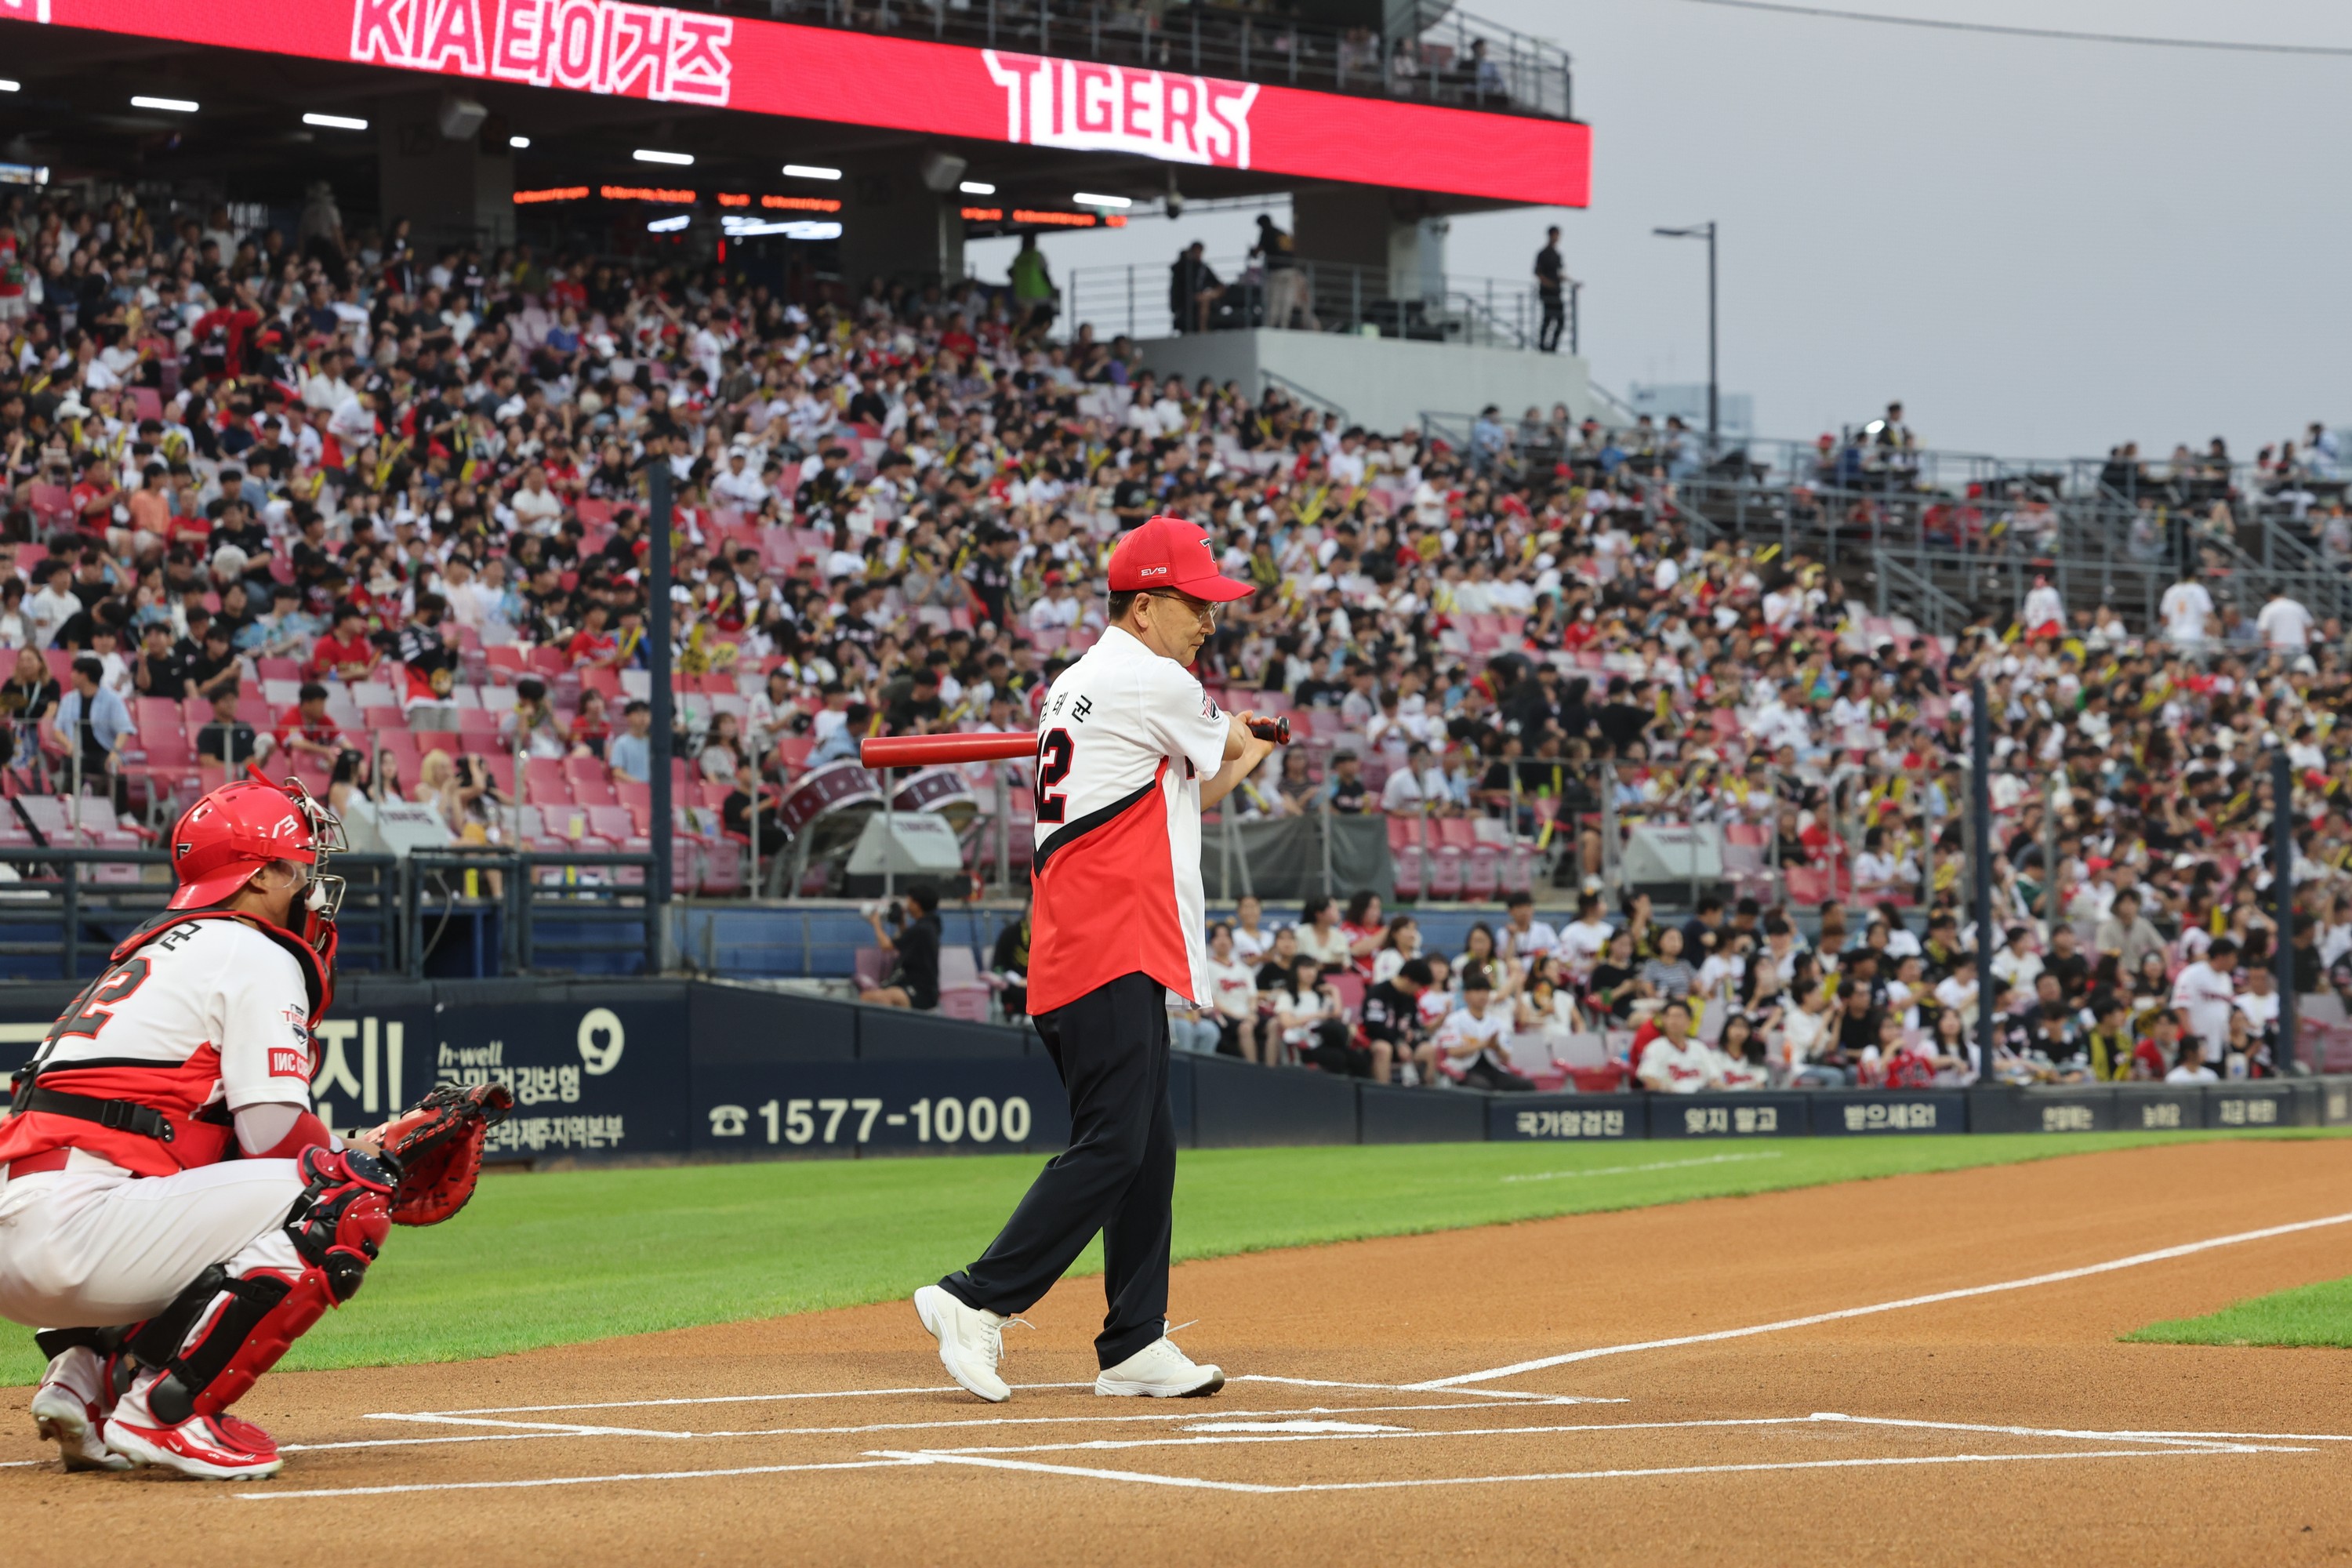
(214, 1447)
(69, 1409)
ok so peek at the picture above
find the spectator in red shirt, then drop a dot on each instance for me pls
(93, 498)
(346, 651)
(592, 644)
(305, 731)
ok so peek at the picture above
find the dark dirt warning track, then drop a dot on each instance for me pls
(1371, 1420)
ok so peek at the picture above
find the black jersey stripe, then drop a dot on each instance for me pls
(1070, 831)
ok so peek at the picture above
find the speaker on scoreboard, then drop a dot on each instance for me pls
(942, 172)
(461, 117)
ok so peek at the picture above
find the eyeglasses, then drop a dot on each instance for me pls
(1206, 614)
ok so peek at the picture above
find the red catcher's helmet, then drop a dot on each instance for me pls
(221, 840)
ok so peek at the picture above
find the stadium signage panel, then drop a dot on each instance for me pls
(759, 66)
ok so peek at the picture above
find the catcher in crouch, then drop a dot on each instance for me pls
(173, 1214)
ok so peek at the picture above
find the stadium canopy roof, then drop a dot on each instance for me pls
(599, 76)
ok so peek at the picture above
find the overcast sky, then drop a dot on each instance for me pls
(2042, 247)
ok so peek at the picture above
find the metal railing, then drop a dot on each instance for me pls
(595, 894)
(1327, 295)
(1463, 62)
(1950, 537)
(76, 904)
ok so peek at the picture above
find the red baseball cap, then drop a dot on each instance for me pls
(1170, 553)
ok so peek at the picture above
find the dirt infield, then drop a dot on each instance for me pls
(1730, 1382)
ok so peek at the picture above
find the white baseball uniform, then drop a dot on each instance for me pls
(208, 1019)
(1124, 740)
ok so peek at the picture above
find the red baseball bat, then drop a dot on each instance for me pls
(990, 746)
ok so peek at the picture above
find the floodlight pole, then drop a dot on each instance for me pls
(2283, 902)
(1713, 395)
(1981, 831)
(657, 660)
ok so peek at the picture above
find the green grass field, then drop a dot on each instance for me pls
(2311, 1315)
(561, 1257)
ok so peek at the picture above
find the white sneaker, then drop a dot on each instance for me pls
(1161, 1371)
(971, 1342)
(69, 1410)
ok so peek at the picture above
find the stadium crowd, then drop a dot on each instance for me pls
(300, 495)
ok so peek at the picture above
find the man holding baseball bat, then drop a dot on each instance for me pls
(1129, 749)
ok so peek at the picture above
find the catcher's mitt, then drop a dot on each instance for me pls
(435, 1147)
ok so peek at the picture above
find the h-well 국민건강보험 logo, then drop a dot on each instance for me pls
(1113, 109)
(591, 46)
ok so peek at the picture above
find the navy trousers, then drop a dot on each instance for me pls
(1117, 1176)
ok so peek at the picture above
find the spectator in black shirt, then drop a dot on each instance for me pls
(1551, 276)
(224, 738)
(1863, 994)
(2067, 961)
(914, 980)
(919, 708)
(1010, 964)
(1350, 795)
(160, 670)
(1623, 719)
(736, 814)
(1392, 1019)
(1194, 290)
(214, 669)
(30, 693)
(989, 576)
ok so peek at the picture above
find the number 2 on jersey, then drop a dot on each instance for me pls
(1053, 753)
(109, 994)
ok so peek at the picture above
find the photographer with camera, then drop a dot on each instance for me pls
(914, 979)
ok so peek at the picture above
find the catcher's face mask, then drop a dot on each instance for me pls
(322, 896)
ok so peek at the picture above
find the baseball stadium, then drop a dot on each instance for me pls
(1113, 781)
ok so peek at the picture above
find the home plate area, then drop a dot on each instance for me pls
(1266, 1435)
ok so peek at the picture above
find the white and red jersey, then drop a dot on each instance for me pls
(1667, 1068)
(209, 1015)
(1124, 739)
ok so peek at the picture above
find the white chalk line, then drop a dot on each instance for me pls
(1657, 1165)
(737, 1399)
(2152, 1445)
(2055, 1277)
(1405, 1387)
(569, 1480)
(556, 1429)
(1214, 1439)
(1146, 1478)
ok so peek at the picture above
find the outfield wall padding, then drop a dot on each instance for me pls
(665, 1069)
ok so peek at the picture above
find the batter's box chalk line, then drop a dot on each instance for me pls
(2143, 1446)
(503, 1427)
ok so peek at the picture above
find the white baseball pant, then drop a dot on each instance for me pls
(94, 1249)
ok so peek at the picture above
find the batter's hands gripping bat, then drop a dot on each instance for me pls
(932, 750)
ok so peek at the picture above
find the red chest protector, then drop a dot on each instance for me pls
(150, 1119)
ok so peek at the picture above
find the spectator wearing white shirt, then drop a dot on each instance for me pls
(537, 508)
(742, 485)
(54, 605)
(2204, 991)
(1232, 992)
(1471, 1041)
(1417, 789)
(1677, 1062)
(2191, 1067)
(1252, 940)
(2285, 624)
(1523, 936)
(2187, 609)
(1582, 939)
